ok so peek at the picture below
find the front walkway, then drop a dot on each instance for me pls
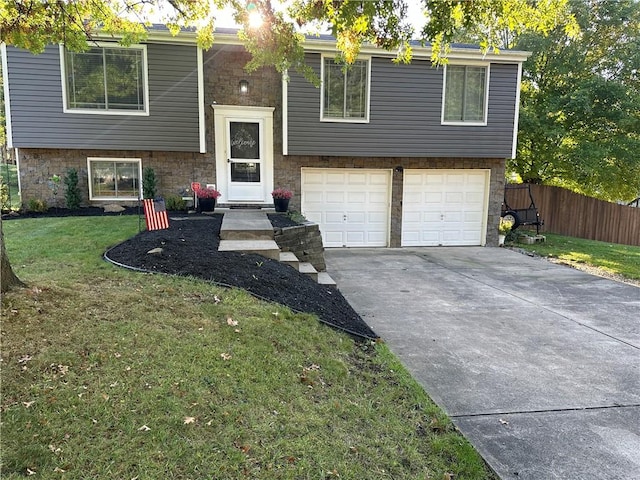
(536, 363)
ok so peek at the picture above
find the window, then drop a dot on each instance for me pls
(114, 178)
(106, 80)
(345, 94)
(465, 94)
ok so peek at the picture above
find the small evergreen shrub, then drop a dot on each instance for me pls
(175, 203)
(149, 183)
(72, 191)
(36, 205)
(5, 204)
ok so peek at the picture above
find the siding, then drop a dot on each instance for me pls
(404, 120)
(38, 121)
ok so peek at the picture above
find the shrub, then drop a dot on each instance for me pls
(36, 205)
(149, 183)
(5, 204)
(175, 203)
(72, 191)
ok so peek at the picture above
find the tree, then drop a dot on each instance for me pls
(33, 24)
(580, 115)
(8, 279)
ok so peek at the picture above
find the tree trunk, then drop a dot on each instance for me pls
(8, 279)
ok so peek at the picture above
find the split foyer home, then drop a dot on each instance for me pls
(379, 155)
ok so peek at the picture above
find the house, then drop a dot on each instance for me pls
(379, 155)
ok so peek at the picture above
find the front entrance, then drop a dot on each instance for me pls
(244, 153)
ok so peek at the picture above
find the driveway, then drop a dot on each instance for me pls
(537, 364)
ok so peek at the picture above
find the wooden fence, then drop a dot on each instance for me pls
(575, 215)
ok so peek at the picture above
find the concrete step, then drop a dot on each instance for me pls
(289, 258)
(266, 248)
(309, 270)
(246, 225)
(325, 279)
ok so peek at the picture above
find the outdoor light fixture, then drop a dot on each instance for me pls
(244, 86)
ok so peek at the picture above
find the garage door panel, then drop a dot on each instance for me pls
(355, 238)
(356, 197)
(354, 203)
(334, 237)
(444, 207)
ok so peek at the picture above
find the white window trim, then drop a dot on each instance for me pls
(112, 160)
(7, 100)
(368, 94)
(483, 123)
(92, 111)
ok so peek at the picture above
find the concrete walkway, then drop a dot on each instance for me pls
(537, 364)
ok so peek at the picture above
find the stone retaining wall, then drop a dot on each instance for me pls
(304, 241)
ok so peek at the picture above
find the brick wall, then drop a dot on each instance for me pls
(305, 242)
(287, 173)
(174, 171)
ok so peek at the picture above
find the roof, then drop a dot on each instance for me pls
(327, 44)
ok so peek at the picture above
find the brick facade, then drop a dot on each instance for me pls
(174, 171)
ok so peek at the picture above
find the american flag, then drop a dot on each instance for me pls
(155, 214)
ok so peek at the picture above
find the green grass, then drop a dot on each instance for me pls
(613, 258)
(115, 374)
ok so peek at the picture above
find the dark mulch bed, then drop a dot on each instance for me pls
(66, 212)
(190, 248)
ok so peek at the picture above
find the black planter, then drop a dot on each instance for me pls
(281, 204)
(206, 204)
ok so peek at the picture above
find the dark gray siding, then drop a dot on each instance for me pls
(37, 118)
(404, 120)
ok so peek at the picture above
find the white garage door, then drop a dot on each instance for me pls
(351, 206)
(444, 207)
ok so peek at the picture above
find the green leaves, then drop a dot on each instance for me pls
(580, 114)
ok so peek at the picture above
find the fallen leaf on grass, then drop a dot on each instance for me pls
(225, 356)
(243, 448)
(28, 404)
(24, 359)
(232, 322)
(30, 472)
(144, 428)
(58, 470)
(188, 420)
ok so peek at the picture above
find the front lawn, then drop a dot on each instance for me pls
(613, 258)
(109, 373)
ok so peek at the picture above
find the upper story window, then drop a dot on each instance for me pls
(345, 91)
(465, 94)
(106, 80)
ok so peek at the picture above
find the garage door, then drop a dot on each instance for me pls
(444, 207)
(351, 206)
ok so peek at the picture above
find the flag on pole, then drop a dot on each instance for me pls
(155, 214)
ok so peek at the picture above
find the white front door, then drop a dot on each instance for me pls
(245, 175)
(244, 153)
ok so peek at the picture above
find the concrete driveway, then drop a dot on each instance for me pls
(537, 364)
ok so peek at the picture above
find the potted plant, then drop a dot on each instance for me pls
(206, 198)
(281, 197)
(503, 230)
